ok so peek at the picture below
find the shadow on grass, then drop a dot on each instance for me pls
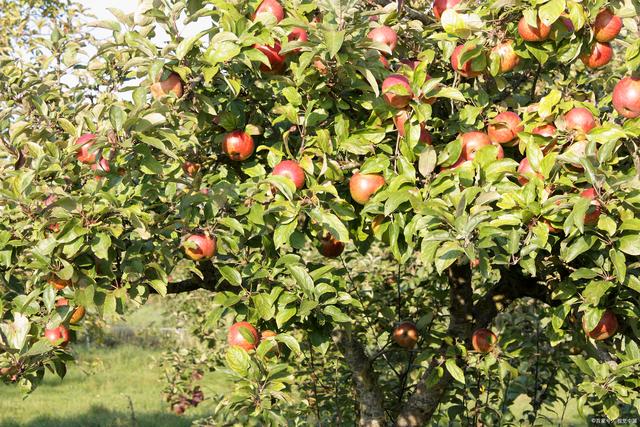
(99, 416)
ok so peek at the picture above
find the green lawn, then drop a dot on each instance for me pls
(96, 392)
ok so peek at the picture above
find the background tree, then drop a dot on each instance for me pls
(330, 170)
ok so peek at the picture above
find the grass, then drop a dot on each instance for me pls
(105, 387)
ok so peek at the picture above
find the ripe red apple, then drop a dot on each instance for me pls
(393, 99)
(580, 119)
(500, 154)
(101, 166)
(461, 161)
(244, 335)
(483, 340)
(191, 168)
(401, 118)
(201, 246)
(504, 127)
(85, 154)
(238, 145)
(384, 35)
(291, 170)
(78, 313)
(472, 142)
(606, 327)
(626, 97)
(606, 26)
(330, 246)
(270, 6)
(406, 335)
(384, 61)
(508, 58)
(592, 215)
(57, 282)
(465, 69)
(548, 130)
(600, 55)
(474, 263)
(363, 186)
(172, 84)
(298, 34)
(56, 334)
(525, 171)
(272, 53)
(439, 6)
(533, 34)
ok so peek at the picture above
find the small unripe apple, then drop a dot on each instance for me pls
(508, 58)
(439, 6)
(580, 119)
(406, 334)
(472, 142)
(600, 55)
(626, 97)
(238, 145)
(291, 170)
(592, 215)
(504, 128)
(393, 99)
(270, 6)
(85, 143)
(384, 35)
(483, 340)
(330, 247)
(525, 171)
(606, 26)
(243, 335)
(276, 61)
(363, 186)
(533, 34)
(606, 327)
(56, 334)
(191, 168)
(162, 88)
(200, 246)
(466, 69)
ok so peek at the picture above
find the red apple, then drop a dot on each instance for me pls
(57, 282)
(394, 99)
(101, 166)
(533, 34)
(384, 61)
(291, 170)
(483, 340)
(580, 120)
(330, 247)
(85, 154)
(592, 215)
(384, 35)
(626, 97)
(406, 334)
(54, 335)
(363, 186)
(439, 6)
(472, 142)
(190, 168)
(411, 63)
(606, 327)
(172, 84)
(243, 335)
(504, 127)
(78, 313)
(500, 154)
(525, 171)
(270, 6)
(508, 58)
(401, 118)
(461, 161)
(547, 130)
(272, 53)
(606, 26)
(601, 54)
(200, 246)
(298, 34)
(238, 145)
(465, 69)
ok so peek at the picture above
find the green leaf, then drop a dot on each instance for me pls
(230, 274)
(117, 117)
(221, 52)
(186, 45)
(100, 245)
(619, 264)
(454, 370)
(336, 314)
(289, 341)
(630, 245)
(264, 306)
(238, 360)
(284, 314)
(303, 279)
(333, 40)
(551, 11)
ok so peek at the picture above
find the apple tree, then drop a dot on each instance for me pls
(374, 212)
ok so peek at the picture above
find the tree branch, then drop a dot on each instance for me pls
(369, 394)
(210, 280)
